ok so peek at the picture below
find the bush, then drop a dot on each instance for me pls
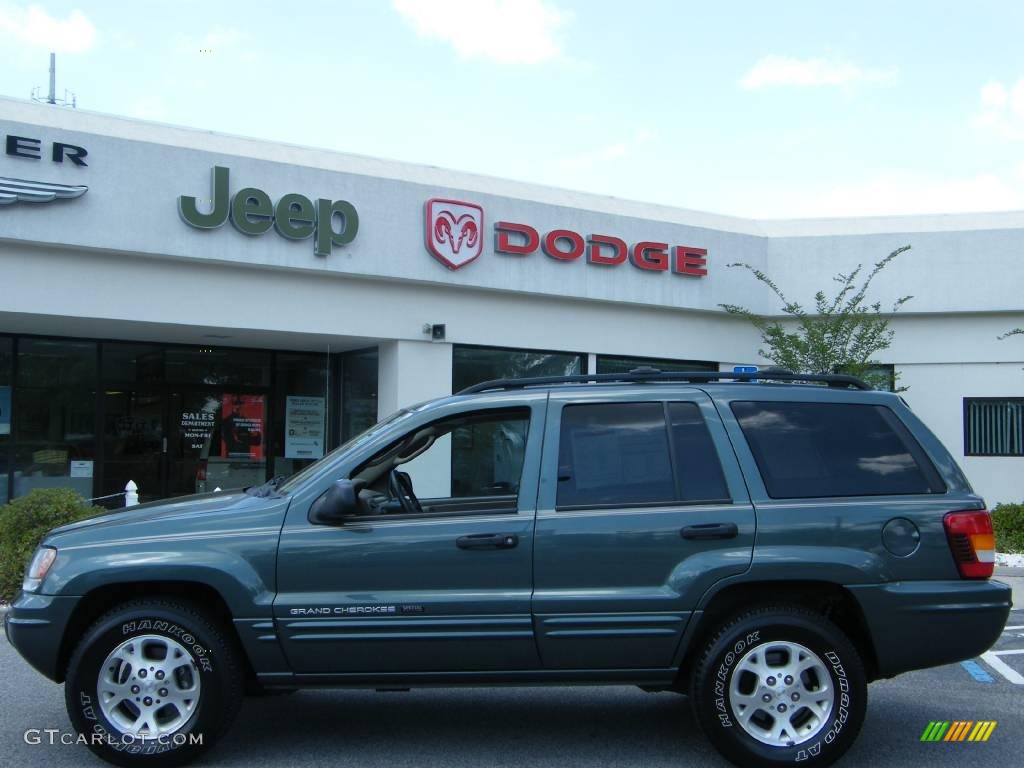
(24, 522)
(1008, 521)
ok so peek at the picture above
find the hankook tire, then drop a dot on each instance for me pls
(778, 686)
(153, 683)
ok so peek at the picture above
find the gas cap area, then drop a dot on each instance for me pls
(901, 537)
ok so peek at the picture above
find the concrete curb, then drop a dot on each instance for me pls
(1005, 570)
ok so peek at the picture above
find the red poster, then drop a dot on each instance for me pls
(241, 427)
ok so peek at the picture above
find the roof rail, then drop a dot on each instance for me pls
(648, 374)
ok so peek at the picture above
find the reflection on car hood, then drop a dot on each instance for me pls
(180, 505)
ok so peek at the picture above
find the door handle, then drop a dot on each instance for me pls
(707, 531)
(487, 541)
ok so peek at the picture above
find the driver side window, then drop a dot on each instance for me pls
(478, 454)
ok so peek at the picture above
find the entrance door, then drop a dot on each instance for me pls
(216, 439)
(644, 517)
(133, 444)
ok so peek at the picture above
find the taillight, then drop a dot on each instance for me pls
(972, 542)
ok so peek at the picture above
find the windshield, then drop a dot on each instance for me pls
(299, 478)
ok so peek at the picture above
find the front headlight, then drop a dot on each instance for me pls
(38, 568)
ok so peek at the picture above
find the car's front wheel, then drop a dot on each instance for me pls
(153, 683)
(780, 686)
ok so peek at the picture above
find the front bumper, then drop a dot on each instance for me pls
(35, 626)
(921, 624)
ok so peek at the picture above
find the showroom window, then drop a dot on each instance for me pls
(55, 427)
(473, 365)
(300, 418)
(610, 364)
(993, 426)
(359, 392)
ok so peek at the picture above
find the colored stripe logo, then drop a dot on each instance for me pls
(959, 730)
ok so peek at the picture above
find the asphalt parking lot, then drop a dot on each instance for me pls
(546, 726)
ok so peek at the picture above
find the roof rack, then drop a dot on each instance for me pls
(647, 374)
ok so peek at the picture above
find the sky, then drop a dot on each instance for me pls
(756, 109)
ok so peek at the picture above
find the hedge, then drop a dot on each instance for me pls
(1008, 521)
(24, 522)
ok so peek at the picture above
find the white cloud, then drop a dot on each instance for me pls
(785, 70)
(1002, 110)
(507, 31)
(31, 25)
(899, 193)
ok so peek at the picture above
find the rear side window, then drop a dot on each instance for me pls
(808, 450)
(628, 454)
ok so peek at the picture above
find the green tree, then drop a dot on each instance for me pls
(842, 334)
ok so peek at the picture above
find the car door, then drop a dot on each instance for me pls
(445, 590)
(642, 508)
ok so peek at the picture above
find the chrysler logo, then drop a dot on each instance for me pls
(454, 231)
(23, 191)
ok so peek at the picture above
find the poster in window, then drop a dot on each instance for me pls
(5, 410)
(241, 427)
(304, 427)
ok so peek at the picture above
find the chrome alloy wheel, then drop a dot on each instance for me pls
(148, 686)
(781, 693)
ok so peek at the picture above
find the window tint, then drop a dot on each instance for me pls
(834, 449)
(697, 466)
(614, 454)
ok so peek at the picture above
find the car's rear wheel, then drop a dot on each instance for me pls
(780, 686)
(153, 683)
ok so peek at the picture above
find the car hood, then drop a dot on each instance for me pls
(200, 503)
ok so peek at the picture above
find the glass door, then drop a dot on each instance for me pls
(133, 444)
(216, 439)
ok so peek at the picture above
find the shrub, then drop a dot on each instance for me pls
(1008, 521)
(24, 522)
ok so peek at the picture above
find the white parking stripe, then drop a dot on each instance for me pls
(992, 659)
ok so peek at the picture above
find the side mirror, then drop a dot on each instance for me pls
(337, 502)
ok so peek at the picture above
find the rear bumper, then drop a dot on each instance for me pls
(35, 626)
(920, 624)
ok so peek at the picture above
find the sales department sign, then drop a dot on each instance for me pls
(454, 236)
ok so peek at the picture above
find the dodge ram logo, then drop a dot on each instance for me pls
(454, 231)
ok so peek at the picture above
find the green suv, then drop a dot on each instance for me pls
(767, 549)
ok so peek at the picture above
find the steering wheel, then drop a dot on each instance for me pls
(400, 487)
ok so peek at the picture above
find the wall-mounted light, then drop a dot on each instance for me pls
(435, 330)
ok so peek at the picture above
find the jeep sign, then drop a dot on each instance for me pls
(295, 216)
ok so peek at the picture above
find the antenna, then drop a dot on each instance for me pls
(69, 99)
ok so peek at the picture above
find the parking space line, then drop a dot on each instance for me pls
(974, 670)
(992, 659)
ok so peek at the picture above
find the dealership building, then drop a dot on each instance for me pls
(192, 310)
